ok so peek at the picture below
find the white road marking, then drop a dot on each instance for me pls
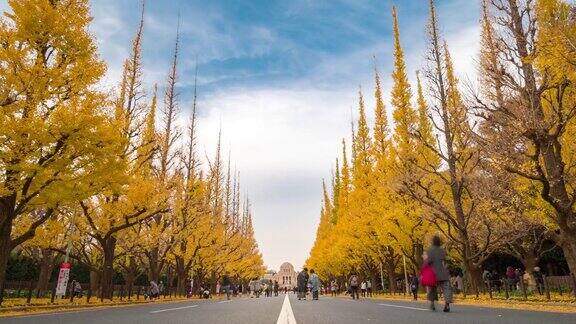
(171, 309)
(224, 301)
(407, 307)
(286, 315)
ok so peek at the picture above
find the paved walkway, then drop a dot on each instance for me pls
(289, 310)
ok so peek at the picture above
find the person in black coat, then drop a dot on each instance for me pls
(302, 281)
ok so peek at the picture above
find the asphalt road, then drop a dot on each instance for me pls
(278, 310)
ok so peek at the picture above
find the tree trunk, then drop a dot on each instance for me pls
(169, 280)
(5, 248)
(182, 276)
(153, 266)
(475, 277)
(7, 215)
(107, 268)
(46, 267)
(94, 281)
(418, 253)
(392, 280)
(568, 245)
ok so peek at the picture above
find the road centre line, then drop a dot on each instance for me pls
(171, 309)
(407, 307)
(286, 315)
(224, 301)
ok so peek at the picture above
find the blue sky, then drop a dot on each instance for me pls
(281, 78)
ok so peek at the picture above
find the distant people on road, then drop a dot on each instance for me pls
(539, 280)
(302, 282)
(255, 288)
(314, 284)
(413, 280)
(510, 277)
(188, 288)
(334, 288)
(353, 283)
(459, 283)
(369, 288)
(204, 293)
(154, 291)
(436, 258)
(226, 285)
(363, 287)
(276, 287)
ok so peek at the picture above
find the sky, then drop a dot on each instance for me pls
(280, 78)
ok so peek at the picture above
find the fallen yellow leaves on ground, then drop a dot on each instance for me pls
(18, 306)
(561, 304)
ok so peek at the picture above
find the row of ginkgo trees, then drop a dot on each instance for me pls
(491, 166)
(92, 174)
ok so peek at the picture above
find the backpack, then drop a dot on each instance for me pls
(427, 276)
(354, 281)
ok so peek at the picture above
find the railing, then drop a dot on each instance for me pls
(505, 288)
(27, 290)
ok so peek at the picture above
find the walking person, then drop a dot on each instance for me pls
(302, 282)
(77, 289)
(276, 287)
(369, 288)
(414, 286)
(226, 286)
(363, 288)
(334, 287)
(154, 290)
(353, 283)
(314, 284)
(436, 258)
(539, 279)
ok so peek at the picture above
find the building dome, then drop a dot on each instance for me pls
(286, 265)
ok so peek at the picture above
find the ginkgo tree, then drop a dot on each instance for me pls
(489, 168)
(57, 138)
(93, 174)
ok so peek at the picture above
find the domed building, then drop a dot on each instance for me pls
(286, 276)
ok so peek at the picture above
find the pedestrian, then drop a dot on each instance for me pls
(459, 281)
(363, 288)
(77, 289)
(188, 288)
(486, 277)
(276, 287)
(414, 286)
(539, 279)
(510, 277)
(154, 290)
(436, 258)
(353, 282)
(226, 286)
(302, 282)
(314, 284)
(285, 290)
(334, 287)
(369, 288)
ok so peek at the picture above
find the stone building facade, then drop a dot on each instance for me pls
(286, 276)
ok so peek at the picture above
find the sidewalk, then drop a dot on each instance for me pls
(563, 305)
(43, 305)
